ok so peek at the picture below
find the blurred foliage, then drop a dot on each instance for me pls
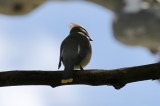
(18, 7)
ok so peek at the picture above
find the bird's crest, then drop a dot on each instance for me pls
(72, 25)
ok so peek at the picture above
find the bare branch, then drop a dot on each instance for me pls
(117, 78)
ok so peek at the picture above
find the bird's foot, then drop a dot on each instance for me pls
(81, 67)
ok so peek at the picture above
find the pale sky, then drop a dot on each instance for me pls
(32, 41)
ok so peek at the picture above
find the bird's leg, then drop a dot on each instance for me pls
(81, 67)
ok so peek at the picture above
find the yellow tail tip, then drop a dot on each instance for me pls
(70, 80)
(65, 81)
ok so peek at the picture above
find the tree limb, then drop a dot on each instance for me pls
(117, 78)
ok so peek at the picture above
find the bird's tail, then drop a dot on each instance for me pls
(67, 76)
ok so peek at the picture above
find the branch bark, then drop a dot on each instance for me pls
(117, 78)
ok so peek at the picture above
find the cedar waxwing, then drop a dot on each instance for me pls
(75, 52)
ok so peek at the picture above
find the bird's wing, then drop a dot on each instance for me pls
(68, 42)
(83, 46)
(61, 54)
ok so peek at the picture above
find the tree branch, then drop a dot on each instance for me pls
(117, 78)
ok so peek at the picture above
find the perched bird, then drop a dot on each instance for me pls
(75, 52)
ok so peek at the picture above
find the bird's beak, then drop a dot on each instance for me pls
(90, 39)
